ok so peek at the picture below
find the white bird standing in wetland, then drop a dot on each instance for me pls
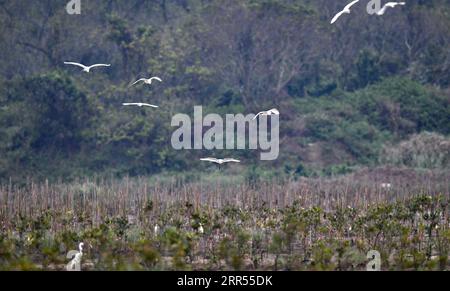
(200, 229)
(267, 113)
(75, 263)
(87, 69)
(147, 81)
(140, 105)
(220, 161)
(389, 5)
(346, 10)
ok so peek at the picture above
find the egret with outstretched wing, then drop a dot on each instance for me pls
(220, 161)
(346, 10)
(140, 105)
(87, 69)
(389, 5)
(147, 81)
(267, 113)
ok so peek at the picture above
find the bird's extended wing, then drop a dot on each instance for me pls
(346, 9)
(213, 160)
(156, 78)
(140, 80)
(256, 116)
(129, 104)
(383, 9)
(389, 5)
(393, 4)
(75, 64)
(149, 105)
(336, 17)
(231, 161)
(100, 65)
(351, 4)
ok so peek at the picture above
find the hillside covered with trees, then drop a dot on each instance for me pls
(366, 91)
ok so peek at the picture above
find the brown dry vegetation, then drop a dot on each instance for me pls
(308, 224)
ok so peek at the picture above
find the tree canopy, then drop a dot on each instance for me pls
(346, 91)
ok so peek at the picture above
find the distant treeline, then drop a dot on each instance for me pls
(350, 94)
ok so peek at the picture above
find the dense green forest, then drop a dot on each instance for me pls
(366, 91)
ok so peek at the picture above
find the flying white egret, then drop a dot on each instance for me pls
(147, 81)
(389, 5)
(268, 112)
(75, 263)
(220, 161)
(140, 105)
(346, 10)
(87, 69)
